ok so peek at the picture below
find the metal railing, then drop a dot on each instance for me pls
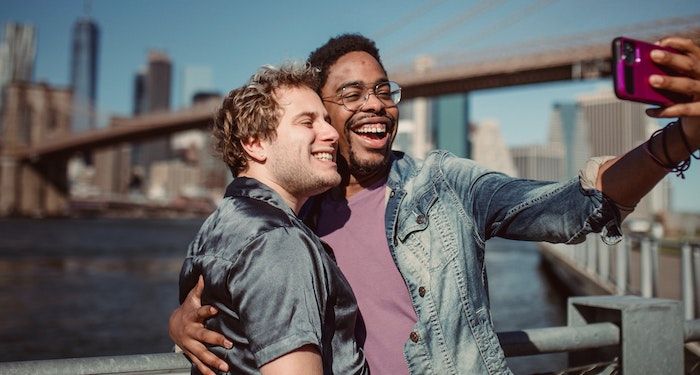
(644, 334)
(611, 266)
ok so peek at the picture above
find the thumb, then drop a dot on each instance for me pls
(196, 292)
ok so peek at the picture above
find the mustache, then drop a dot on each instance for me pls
(355, 119)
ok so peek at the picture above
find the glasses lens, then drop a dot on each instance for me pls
(355, 96)
(395, 91)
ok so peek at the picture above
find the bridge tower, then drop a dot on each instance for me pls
(33, 113)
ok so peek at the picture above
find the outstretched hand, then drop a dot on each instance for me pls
(186, 329)
(687, 62)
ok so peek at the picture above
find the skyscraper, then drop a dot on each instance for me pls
(599, 124)
(152, 94)
(158, 81)
(17, 52)
(83, 73)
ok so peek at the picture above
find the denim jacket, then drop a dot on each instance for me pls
(439, 214)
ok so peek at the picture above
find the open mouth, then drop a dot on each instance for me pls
(371, 131)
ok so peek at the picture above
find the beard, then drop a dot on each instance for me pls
(360, 167)
(374, 161)
(300, 179)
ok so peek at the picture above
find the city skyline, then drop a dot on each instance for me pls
(217, 35)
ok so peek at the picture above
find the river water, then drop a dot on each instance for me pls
(94, 287)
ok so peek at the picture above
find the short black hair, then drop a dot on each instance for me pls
(326, 55)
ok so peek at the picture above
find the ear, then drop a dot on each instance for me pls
(255, 149)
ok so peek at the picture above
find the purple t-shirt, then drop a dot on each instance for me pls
(355, 231)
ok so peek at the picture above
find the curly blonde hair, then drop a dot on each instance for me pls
(252, 112)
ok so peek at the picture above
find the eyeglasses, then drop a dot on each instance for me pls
(355, 95)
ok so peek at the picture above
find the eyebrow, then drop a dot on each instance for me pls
(361, 83)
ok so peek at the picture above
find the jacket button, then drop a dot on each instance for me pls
(420, 219)
(391, 194)
(414, 336)
(421, 291)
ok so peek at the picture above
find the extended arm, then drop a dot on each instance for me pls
(628, 178)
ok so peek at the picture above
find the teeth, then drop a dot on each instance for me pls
(324, 156)
(373, 128)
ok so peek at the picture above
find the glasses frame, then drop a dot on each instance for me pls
(338, 98)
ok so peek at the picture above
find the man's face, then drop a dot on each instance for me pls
(301, 159)
(366, 135)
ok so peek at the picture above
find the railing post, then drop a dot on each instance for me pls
(591, 250)
(651, 333)
(695, 255)
(687, 282)
(646, 268)
(655, 243)
(603, 260)
(622, 265)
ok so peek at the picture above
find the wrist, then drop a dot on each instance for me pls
(690, 126)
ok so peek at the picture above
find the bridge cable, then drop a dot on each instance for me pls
(515, 17)
(548, 44)
(470, 13)
(405, 20)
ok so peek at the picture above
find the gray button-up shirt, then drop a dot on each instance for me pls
(275, 285)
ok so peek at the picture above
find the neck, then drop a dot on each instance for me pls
(356, 184)
(295, 202)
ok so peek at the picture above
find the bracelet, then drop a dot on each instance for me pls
(678, 168)
(685, 141)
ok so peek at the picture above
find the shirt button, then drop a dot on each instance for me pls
(421, 291)
(414, 336)
(420, 219)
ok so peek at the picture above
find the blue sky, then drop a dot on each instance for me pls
(233, 38)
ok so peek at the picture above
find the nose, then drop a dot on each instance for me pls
(327, 132)
(372, 103)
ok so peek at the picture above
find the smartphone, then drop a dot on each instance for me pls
(631, 69)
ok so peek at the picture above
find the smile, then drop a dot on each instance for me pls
(371, 130)
(323, 156)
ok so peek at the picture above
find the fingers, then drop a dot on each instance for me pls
(203, 335)
(205, 312)
(686, 62)
(195, 294)
(676, 110)
(681, 44)
(205, 367)
(684, 85)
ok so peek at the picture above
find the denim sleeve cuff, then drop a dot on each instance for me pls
(589, 177)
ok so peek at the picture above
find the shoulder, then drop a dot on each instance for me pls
(239, 221)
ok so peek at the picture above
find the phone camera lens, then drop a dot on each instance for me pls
(628, 52)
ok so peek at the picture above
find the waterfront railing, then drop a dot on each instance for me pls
(619, 333)
(635, 266)
(604, 334)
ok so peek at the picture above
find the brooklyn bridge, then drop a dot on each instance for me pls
(35, 149)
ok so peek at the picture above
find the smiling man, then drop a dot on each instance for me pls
(282, 300)
(410, 234)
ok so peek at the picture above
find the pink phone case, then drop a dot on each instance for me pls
(632, 67)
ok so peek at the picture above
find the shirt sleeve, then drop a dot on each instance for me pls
(588, 176)
(520, 209)
(278, 289)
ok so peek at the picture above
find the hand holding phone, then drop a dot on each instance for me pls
(632, 66)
